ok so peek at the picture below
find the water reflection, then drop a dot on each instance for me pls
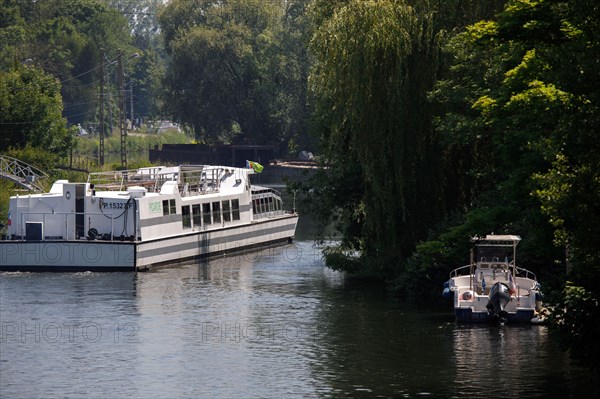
(369, 347)
(521, 361)
(239, 319)
(274, 323)
(56, 340)
(497, 360)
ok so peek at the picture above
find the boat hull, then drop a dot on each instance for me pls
(468, 315)
(84, 255)
(60, 256)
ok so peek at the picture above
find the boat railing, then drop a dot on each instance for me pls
(149, 178)
(68, 222)
(455, 272)
(526, 273)
(269, 214)
(191, 179)
(200, 179)
(522, 272)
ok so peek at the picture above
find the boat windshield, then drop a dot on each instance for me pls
(494, 254)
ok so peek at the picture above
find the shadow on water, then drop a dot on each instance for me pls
(366, 346)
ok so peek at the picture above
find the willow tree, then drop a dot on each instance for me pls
(374, 63)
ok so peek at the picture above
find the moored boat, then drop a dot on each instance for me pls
(492, 288)
(144, 218)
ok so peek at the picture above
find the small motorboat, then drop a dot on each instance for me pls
(492, 288)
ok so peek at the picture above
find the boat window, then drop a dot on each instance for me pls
(196, 215)
(206, 214)
(226, 213)
(494, 254)
(165, 207)
(185, 217)
(216, 208)
(235, 209)
(271, 204)
(254, 204)
(172, 209)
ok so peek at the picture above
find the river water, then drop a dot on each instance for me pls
(270, 324)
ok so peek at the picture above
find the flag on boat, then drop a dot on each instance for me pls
(258, 168)
(512, 288)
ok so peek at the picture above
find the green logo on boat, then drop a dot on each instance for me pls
(155, 207)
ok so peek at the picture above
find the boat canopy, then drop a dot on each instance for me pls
(500, 240)
(494, 248)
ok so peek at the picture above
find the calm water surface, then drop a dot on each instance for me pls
(270, 324)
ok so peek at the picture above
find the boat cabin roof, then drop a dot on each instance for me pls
(506, 240)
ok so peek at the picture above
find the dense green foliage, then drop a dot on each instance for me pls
(495, 134)
(366, 58)
(31, 111)
(530, 78)
(375, 62)
(67, 38)
(237, 66)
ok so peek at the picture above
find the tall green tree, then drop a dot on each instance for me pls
(142, 16)
(145, 79)
(31, 111)
(65, 39)
(229, 71)
(364, 73)
(525, 87)
(389, 176)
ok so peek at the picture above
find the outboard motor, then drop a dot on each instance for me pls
(499, 297)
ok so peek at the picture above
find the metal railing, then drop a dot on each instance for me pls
(22, 174)
(521, 272)
(190, 179)
(67, 222)
(454, 273)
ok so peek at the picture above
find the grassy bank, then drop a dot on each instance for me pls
(136, 142)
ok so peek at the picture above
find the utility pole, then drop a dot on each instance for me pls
(110, 110)
(101, 149)
(131, 103)
(122, 110)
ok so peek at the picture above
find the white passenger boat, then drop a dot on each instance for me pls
(492, 287)
(140, 219)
